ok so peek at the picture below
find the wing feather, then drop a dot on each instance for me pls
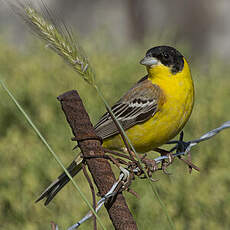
(138, 105)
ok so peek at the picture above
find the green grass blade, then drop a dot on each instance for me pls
(50, 150)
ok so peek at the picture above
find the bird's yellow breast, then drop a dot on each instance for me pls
(172, 115)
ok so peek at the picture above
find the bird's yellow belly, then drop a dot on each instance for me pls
(162, 127)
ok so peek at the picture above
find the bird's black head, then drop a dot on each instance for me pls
(167, 55)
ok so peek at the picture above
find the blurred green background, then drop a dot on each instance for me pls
(36, 76)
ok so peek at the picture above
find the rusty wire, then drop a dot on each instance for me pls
(127, 174)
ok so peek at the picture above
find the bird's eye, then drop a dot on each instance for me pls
(165, 55)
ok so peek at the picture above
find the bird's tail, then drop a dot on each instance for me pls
(51, 191)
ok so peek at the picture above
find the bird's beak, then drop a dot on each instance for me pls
(149, 61)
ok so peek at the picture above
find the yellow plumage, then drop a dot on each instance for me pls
(172, 115)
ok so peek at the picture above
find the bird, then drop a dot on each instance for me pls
(152, 112)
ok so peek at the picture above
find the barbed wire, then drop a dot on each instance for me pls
(124, 175)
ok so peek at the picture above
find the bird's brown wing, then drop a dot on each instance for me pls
(139, 104)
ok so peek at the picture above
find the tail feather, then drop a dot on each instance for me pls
(51, 191)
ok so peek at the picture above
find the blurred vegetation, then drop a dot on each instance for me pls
(36, 77)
